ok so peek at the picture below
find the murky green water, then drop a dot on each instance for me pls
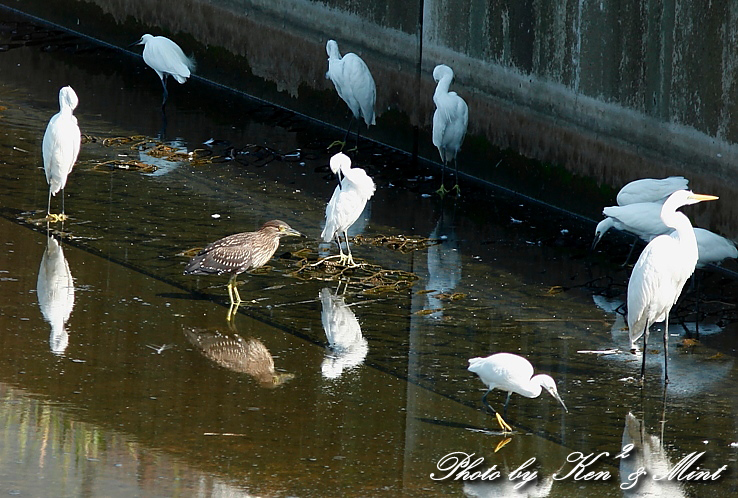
(92, 404)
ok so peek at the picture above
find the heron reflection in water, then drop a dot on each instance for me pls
(347, 347)
(55, 293)
(231, 351)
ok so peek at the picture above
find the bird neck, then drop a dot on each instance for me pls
(533, 388)
(443, 85)
(679, 222)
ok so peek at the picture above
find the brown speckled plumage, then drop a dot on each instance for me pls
(240, 252)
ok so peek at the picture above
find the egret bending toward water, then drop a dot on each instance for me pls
(354, 84)
(661, 272)
(651, 190)
(166, 58)
(354, 189)
(449, 122)
(514, 374)
(238, 253)
(61, 147)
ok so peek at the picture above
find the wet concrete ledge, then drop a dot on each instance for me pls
(606, 93)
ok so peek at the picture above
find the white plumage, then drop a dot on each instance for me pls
(449, 121)
(651, 190)
(661, 272)
(55, 293)
(166, 58)
(353, 81)
(514, 374)
(61, 146)
(350, 196)
(348, 347)
(642, 219)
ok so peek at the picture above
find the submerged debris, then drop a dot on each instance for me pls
(371, 279)
(402, 243)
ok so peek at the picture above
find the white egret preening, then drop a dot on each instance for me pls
(166, 58)
(61, 147)
(55, 293)
(449, 122)
(651, 190)
(661, 272)
(514, 374)
(353, 191)
(354, 84)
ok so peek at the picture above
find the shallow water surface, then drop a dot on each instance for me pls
(120, 376)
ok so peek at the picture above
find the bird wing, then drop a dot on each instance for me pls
(360, 87)
(60, 148)
(450, 122)
(642, 219)
(650, 189)
(655, 283)
(165, 56)
(232, 254)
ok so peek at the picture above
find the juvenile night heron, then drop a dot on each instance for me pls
(349, 198)
(449, 122)
(354, 84)
(166, 58)
(240, 252)
(61, 147)
(514, 374)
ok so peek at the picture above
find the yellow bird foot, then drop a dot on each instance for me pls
(502, 444)
(457, 189)
(441, 191)
(55, 218)
(503, 425)
(337, 142)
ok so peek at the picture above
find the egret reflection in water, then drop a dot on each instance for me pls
(444, 265)
(347, 347)
(648, 453)
(231, 351)
(55, 292)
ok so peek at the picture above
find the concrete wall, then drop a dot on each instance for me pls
(611, 90)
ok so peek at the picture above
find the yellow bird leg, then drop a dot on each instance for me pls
(337, 142)
(502, 444)
(503, 425)
(233, 290)
(232, 312)
(442, 191)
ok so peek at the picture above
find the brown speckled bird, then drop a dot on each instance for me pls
(240, 252)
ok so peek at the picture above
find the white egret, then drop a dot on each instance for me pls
(61, 147)
(166, 58)
(449, 121)
(651, 190)
(661, 272)
(642, 219)
(713, 248)
(354, 84)
(353, 191)
(514, 374)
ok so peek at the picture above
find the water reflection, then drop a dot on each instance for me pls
(347, 347)
(55, 292)
(444, 265)
(694, 369)
(648, 453)
(231, 351)
(504, 488)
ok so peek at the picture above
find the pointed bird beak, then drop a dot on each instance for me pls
(596, 240)
(139, 42)
(292, 233)
(556, 395)
(703, 197)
